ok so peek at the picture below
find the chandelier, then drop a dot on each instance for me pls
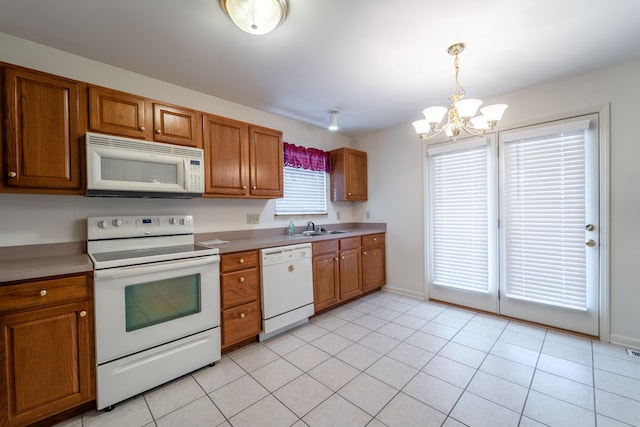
(460, 117)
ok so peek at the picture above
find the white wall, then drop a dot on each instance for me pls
(394, 153)
(31, 219)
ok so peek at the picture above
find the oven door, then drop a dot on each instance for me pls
(140, 307)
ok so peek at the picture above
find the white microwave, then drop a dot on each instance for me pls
(125, 167)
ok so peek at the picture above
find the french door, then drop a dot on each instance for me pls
(542, 225)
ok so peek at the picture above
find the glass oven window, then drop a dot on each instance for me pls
(150, 303)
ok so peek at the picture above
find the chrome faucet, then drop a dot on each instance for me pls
(310, 226)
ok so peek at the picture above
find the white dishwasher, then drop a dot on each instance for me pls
(286, 288)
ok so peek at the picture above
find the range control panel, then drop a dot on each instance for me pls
(113, 227)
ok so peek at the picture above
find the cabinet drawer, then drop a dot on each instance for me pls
(239, 288)
(240, 323)
(325, 247)
(238, 261)
(349, 243)
(373, 239)
(43, 292)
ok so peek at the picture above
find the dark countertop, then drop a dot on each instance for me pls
(259, 239)
(18, 263)
(37, 261)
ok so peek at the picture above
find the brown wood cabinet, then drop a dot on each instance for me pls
(46, 348)
(373, 261)
(129, 115)
(326, 280)
(44, 120)
(239, 297)
(336, 271)
(348, 175)
(242, 160)
(350, 268)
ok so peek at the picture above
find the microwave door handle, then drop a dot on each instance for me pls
(136, 270)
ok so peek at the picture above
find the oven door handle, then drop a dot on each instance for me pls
(136, 270)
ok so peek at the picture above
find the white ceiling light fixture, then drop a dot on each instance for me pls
(333, 120)
(256, 16)
(460, 117)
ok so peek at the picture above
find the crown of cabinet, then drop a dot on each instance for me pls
(348, 175)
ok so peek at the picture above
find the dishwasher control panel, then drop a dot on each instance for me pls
(287, 253)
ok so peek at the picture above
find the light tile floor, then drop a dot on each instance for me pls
(390, 360)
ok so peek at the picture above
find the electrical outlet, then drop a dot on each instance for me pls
(253, 218)
(367, 215)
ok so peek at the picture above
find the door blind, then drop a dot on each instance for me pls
(458, 200)
(544, 218)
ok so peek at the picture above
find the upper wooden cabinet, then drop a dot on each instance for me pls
(242, 160)
(44, 120)
(130, 115)
(349, 175)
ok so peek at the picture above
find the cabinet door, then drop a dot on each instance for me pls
(46, 359)
(325, 281)
(350, 282)
(373, 267)
(176, 125)
(266, 165)
(119, 113)
(226, 155)
(356, 175)
(43, 125)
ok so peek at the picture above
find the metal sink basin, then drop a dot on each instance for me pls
(321, 233)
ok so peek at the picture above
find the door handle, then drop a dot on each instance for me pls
(590, 227)
(590, 243)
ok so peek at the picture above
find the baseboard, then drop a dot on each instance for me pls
(401, 291)
(624, 341)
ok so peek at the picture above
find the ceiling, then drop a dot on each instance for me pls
(378, 62)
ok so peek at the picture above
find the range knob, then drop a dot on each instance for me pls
(182, 221)
(117, 222)
(172, 221)
(103, 224)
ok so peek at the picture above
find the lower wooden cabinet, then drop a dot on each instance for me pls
(239, 297)
(46, 348)
(345, 268)
(373, 262)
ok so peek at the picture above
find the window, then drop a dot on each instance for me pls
(305, 192)
(305, 181)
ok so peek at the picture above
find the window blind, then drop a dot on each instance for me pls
(458, 200)
(305, 192)
(544, 218)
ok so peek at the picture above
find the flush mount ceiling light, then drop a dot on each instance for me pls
(333, 120)
(460, 116)
(256, 16)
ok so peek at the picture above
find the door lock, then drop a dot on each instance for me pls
(590, 243)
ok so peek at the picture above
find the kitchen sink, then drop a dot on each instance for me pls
(321, 233)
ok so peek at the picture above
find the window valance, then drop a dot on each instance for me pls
(306, 158)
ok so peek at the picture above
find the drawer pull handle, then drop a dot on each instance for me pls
(364, 253)
(241, 260)
(12, 174)
(142, 128)
(375, 239)
(158, 131)
(83, 313)
(241, 279)
(242, 315)
(43, 292)
(253, 187)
